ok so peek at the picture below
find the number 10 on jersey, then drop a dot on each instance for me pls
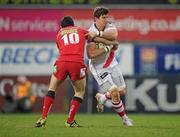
(71, 39)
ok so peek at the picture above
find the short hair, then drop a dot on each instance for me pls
(67, 21)
(99, 11)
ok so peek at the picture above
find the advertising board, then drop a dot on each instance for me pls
(132, 24)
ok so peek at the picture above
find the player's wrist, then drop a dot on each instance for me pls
(99, 33)
(107, 49)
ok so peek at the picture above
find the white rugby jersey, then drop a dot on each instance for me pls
(106, 60)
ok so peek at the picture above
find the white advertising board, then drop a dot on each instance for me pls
(38, 58)
(125, 56)
(27, 58)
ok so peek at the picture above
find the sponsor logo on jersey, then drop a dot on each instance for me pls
(104, 75)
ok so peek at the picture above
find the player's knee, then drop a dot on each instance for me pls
(115, 94)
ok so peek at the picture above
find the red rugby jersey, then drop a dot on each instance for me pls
(71, 42)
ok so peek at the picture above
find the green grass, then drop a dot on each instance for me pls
(109, 125)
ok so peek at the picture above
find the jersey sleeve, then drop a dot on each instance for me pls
(84, 31)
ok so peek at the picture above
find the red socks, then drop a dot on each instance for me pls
(119, 108)
(48, 101)
(74, 107)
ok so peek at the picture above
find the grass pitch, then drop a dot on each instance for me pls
(95, 125)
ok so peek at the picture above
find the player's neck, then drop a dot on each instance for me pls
(99, 27)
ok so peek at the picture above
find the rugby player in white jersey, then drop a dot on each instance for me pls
(104, 66)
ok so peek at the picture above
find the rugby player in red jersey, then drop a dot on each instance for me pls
(70, 42)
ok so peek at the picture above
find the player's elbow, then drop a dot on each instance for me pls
(111, 35)
(114, 36)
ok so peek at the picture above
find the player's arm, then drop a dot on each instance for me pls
(105, 41)
(110, 34)
(94, 51)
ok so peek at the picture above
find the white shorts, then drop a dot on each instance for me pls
(109, 77)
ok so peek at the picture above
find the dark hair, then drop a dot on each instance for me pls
(99, 11)
(67, 21)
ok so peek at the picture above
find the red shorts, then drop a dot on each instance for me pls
(74, 70)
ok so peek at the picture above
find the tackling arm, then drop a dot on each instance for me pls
(110, 34)
(106, 41)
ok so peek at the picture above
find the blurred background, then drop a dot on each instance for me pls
(149, 53)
